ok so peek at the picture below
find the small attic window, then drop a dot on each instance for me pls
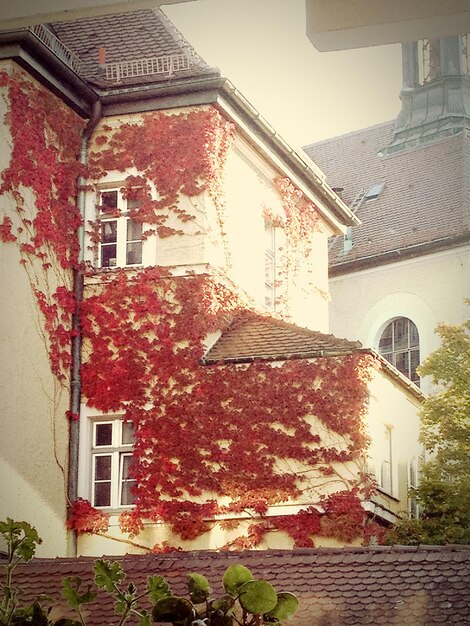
(374, 192)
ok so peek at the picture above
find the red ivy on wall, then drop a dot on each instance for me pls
(41, 183)
(219, 433)
(210, 440)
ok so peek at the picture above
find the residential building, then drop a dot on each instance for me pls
(166, 250)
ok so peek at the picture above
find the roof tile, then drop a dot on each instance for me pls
(342, 587)
(256, 336)
(425, 197)
(128, 37)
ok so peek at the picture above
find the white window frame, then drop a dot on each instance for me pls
(270, 272)
(121, 218)
(117, 451)
(386, 467)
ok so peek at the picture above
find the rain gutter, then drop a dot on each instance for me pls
(221, 93)
(76, 345)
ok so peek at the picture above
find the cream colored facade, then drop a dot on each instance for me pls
(428, 290)
(231, 238)
(34, 430)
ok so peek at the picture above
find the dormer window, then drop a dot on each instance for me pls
(121, 236)
(374, 191)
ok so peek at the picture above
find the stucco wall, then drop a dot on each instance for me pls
(34, 429)
(231, 238)
(391, 407)
(428, 290)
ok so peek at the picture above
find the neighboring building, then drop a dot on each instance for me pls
(420, 586)
(140, 411)
(406, 268)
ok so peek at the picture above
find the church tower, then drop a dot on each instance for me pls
(436, 92)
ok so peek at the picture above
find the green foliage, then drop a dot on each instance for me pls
(258, 596)
(443, 494)
(235, 576)
(157, 588)
(199, 588)
(446, 414)
(248, 602)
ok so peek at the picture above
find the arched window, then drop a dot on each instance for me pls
(399, 344)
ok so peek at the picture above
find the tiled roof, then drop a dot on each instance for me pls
(426, 197)
(128, 37)
(393, 586)
(256, 336)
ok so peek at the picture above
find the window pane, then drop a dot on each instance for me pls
(103, 434)
(109, 199)
(109, 255)
(269, 269)
(269, 298)
(400, 334)
(414, 337)
(103, 467)
(134, 230)
(385, 344)
(134, 253)
(109, 231)
(127, 497)
(385, 476)
(133, 203)
(269, 236)
(127, 433)
(414, 362)
(401, 363)
(102, 494)
(126, 482)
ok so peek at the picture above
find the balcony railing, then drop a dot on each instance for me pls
(146, 67)
(58, 48)
(116, 71)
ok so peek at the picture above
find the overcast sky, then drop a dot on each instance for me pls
(306, 95)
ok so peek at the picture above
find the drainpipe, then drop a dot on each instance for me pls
(76, 344)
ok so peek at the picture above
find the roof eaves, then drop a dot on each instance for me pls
(395, 374)
(285, 357)
(308, 173)
(25, 49)
(392, 256)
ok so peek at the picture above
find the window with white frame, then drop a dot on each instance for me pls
(399, 344)
(121, 236)
(270, 265)
(386, 466)
(412, 484)
(111, 458)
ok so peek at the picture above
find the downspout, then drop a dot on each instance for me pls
(76, 344)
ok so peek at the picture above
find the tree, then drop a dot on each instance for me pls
(443, 494)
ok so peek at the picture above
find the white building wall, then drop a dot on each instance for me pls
(428, 290)
(394, 409)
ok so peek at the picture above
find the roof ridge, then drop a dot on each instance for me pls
(257, 554)
(351, 133)
(302, 329)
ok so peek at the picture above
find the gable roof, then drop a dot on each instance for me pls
(392, 586)
(255, 336)
(424, 205)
